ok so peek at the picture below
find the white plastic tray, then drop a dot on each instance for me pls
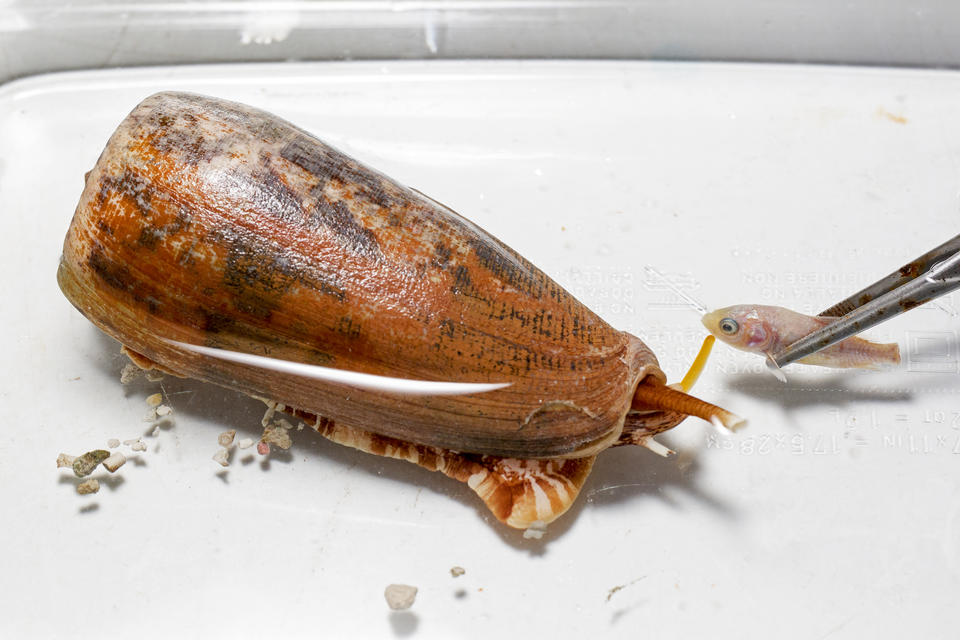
(835, 513)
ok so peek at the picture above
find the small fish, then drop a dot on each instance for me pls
(767, 330)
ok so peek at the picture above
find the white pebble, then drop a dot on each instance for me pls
(138, 446)
(113, 443)
(225, 439)
(400, 596)
(220, 457)
(115, 461)
(535, 531)
(277, 434)
(65, 460)
(245, 443)
(268, 414)
(129, 373)
(88, 486)
(164, 410)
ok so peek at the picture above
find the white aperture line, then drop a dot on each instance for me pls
(354, 379)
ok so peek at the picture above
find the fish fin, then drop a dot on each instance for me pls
(775, 369)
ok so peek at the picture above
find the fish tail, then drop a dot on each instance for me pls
(891, 352)
(877, 355)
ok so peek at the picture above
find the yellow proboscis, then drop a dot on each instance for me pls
(693, 374)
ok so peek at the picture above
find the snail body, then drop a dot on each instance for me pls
(211, 223)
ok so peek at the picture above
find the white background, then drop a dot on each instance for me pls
(835, 513)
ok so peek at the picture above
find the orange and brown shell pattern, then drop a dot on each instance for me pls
(212, 223)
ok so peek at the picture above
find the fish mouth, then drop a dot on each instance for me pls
(711, 321)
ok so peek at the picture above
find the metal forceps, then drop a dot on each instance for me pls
(930, 276)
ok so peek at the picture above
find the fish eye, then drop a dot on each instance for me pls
(729, 326)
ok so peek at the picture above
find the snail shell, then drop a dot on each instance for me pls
(212, 223)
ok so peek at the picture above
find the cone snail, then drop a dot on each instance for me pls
(206, 222)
